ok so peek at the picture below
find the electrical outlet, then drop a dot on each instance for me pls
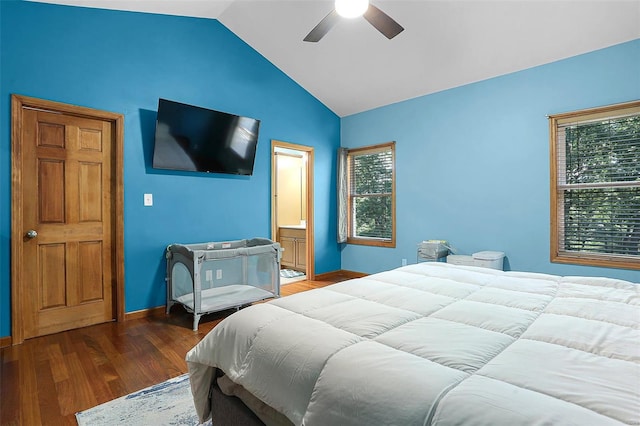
(148, 199)
(218, 274)
(208, 275)
(404, 262)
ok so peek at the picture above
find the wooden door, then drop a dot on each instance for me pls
(66, 276)
(288, 245)
(301, 254)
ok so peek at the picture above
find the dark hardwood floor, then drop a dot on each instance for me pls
(46, 380)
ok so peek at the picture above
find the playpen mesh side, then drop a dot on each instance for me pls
(222, 265)
(181, 284)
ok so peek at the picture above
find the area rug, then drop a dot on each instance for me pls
(290, 273)
(167, 403)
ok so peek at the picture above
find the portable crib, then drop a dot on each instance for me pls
(211, 277)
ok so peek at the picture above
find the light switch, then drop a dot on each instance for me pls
(148, 199)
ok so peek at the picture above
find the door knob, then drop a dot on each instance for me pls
(32, 233)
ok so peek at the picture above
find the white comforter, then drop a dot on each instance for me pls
(437, 344)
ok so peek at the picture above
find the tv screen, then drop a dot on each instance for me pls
(198, 139)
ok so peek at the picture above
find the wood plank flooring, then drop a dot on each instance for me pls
(46, 380)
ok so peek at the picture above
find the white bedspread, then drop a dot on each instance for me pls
(434, 343)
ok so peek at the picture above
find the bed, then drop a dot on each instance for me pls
(430, 344)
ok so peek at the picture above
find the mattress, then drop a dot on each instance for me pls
(219, 298)
(436, 344)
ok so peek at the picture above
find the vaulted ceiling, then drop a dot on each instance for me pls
(446, 43)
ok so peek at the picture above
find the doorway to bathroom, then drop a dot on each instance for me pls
(292, 209)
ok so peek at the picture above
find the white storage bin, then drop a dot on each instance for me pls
(432, 250)
(461, 259)
(489, 259)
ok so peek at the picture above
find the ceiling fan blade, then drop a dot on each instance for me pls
(383, 22)
(323, 27)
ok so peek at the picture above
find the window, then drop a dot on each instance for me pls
(371, 195)
(595, 186)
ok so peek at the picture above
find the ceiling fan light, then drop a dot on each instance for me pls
(351, 8)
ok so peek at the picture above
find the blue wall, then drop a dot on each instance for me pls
(123, 62)
(473, 162)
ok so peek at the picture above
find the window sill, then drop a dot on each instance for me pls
(607, 261)
(372, 242)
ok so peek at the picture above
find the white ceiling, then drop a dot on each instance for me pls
(446, 43)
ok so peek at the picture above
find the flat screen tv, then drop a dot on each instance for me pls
(198, 139)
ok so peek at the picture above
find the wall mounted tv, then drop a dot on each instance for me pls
(198, 139)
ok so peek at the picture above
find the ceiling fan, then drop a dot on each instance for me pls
(353, 9)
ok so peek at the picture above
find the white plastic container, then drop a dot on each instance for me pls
(489, 259)
(432, 249)
(461, 259)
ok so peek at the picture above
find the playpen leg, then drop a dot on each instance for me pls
(196, 320)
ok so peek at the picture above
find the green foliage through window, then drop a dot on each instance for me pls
(602, 220)
(605, 151)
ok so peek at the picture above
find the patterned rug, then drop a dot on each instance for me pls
(290, 273)
(167, 403)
